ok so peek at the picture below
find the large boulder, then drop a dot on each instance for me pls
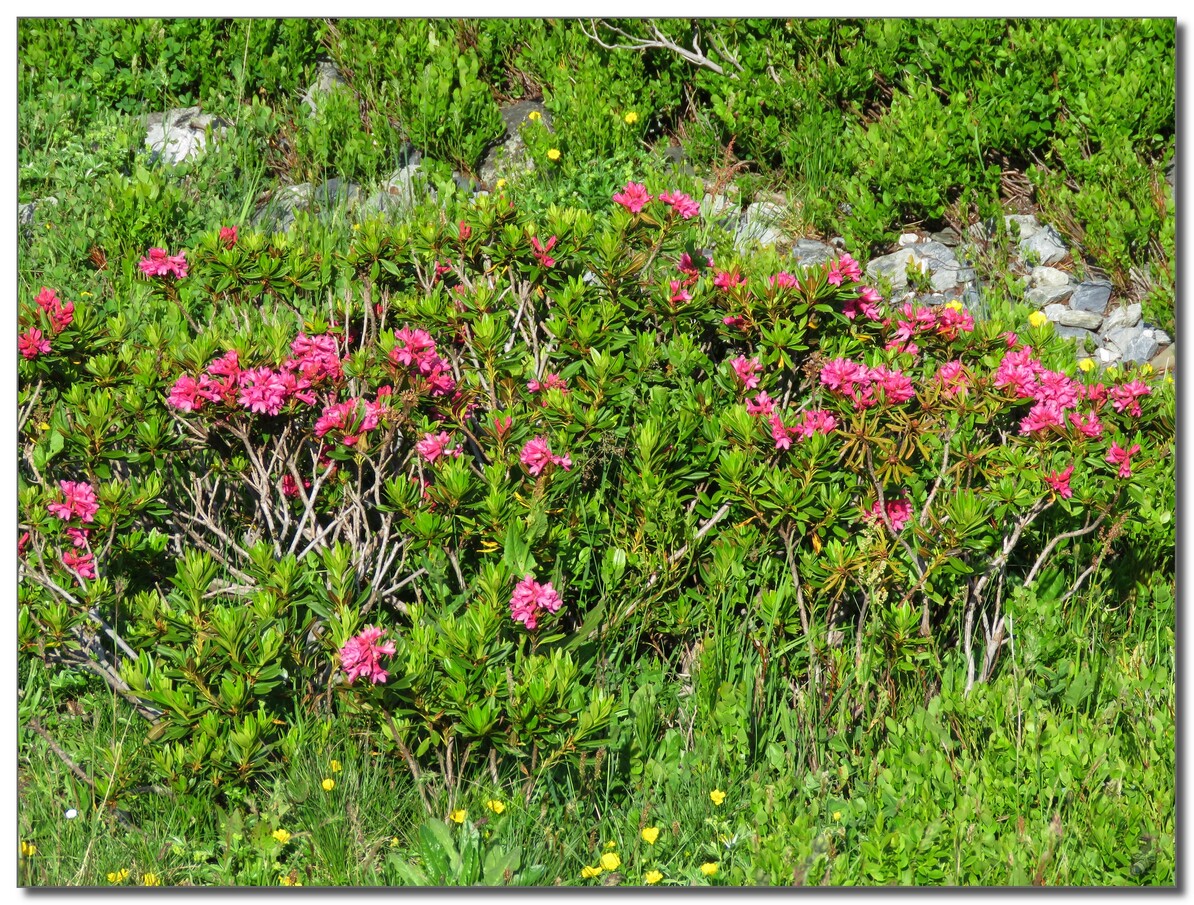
(181, 134)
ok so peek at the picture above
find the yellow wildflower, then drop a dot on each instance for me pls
(1111, 373)
(281, 835)
(717, 796)
(329, 784)
(393, 841)
(285, 880)
(611, 844)
(85, 294)
(337, 766)
(496, 806)
(500, 184)
(43, 427)
(652, 877)
(150, 880)
(553, 155)
(28, 849)
(534, 116)
(631, 118)
(1037, 319)
(837, 815)
(650, 834)
(611, 861)
(1086, 365)
(458, 815)
(955, 304)
(1146, 369)
(709, 868)
(589, 873)
(118, 876)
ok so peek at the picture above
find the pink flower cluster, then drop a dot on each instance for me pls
(817, 421)
(262, 390)
(867, 304)
(1060, 482)
(415, 350)
(945, 322)
(1127, 395)
(784, 280)
(536, 456)
(634, 197)
(549, 382)
(353, 418)
(530, 599)
(541, 251)
(432, 446)
(361, 655)
(61, 313)
(80, 502)
(747, 371)
(727, 279)
(858, 382)
(899, 512)
(159, 263)
(32, 343)
(1123, 458)
(83, 563)
(228, 236)
(1055, 394)
(952, 377)
(844, 268)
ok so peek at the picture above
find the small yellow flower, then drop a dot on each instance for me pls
(717, 796)
(534, 116)
(1086, 365)
(118, 876)
(500, 184)
(553, 155)
(285, 880)
(281, 835)
(85, 294)
(28, 849)
(589, 873)
(631, 118)
(393, 841)
(650, 834)
(458, 815)
(1146, 369)
(955, 304)
(1037, 319)
(150, 880)
(652, 877)
(496, 806)
(611, 844)
(709, 868)
(43, 427)
(1111, 373)
(1168, 379)
(355, 227)
(336, 766)
(837, 815)
(611, 861)
(329, 784)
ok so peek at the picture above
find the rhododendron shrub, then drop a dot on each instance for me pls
(426, 469)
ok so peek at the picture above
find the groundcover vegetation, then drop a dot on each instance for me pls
(547, 536)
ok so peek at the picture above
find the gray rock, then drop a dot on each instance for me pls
(929, 257)
(1165, 360)
(1162, 338)
(838, 242)
(1028, 225)
(1136, 345)
(894, 267)
(1048, 295)
(1055, 312)
(277, 214)
(948, 237)
(907, 239)
(327, 78)
(945, 279)
(809, 252)
(1076, 333)
(510, 155)
(27, 212)
(1048, 278)
(966, 275)
(335, 193)
(1107, 355)
(1087, 319)
(760, 224)
(181, 133)
(1045, 244)
(1126, 316)
(1092, 296)
(401, 192)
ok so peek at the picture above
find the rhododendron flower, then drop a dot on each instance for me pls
(23, 543)
(432, 446)
(725, 279)
(537, 454)
(549, 382)
(844, 267)
(541, 251)
(1010, 338)
(159, 263)
(903, 348)
(32, 343)
(1126, 396)
(529, 600)
(1090, 426)
(188, 394)
(413, 348)
(841, 373)
(688, 267)
(747, 371)
(361, 656)
(896, 386)
(1060, 482)
(681, 204)
(1042, 416)
(633, 197)
(867, 303)
(47, 299)
(952, 321)
(80, 501)
(228, 235)
(761, 405)
(817, 421)
(679, 293)
(316, 357)
(263, 391)
(290, 486)
(733, 321)
(1096, 393)
(1123, 458)
(501, 426)
(228, 365)
(779, 432)
(899, 513)
(78, 536)
(83, 563)
(952, 377)
(785, 280)
(61, 313)
(463, 231)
